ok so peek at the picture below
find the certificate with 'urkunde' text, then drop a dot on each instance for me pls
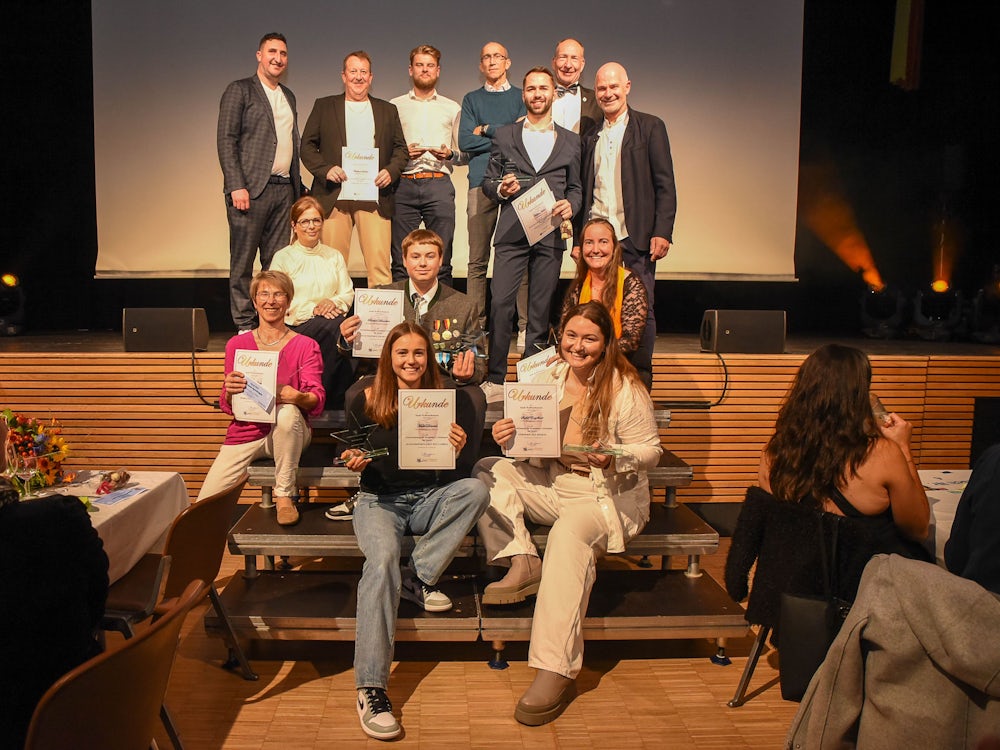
(424, 418)
(361, 166)
(534, 407)
(257, 402)
(380, 310)
(534, 211)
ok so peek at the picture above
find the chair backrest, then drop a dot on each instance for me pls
(784, 539)
(197, 539)
(113, 700)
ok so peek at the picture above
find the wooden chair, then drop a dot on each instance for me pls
(195, 545)
(112, 701)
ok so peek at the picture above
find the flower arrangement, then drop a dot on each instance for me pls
(35, 453)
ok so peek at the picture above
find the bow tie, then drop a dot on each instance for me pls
(561, 91)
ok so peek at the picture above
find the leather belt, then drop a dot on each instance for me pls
(580, 471)
(277, 179)
(423, 175)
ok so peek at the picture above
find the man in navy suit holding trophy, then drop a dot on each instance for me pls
(525, 154)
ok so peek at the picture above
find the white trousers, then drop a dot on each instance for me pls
(284, 443)
(567, 502)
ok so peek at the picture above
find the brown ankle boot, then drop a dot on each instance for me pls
(547, 697)
(520, 582)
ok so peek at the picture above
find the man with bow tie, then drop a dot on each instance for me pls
(575, 107)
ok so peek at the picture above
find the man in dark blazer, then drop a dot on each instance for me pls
(575, 106)
(357, 120)
(444, 312)
(258, 144)
(524, 154)
(642, 202)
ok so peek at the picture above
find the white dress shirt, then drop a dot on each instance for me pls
(430, 122)
(608, 203)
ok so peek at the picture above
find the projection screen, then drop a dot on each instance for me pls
(725, 76)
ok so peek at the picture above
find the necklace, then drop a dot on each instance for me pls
(269, 343)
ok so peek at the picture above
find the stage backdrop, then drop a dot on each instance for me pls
(725, 76)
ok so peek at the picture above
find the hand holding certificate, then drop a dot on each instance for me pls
(534, 409)
(379, 310)
(426, 422)
(534, 211)
(361, 166)
(257, 401)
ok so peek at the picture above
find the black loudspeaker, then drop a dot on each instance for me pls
(165, 329)
(743, 331)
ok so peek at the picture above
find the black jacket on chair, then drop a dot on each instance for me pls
(783, 539)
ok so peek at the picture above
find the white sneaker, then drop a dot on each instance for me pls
(375, 712)
(341, 511)
(493, 391)
(424, 596)
(520, 341)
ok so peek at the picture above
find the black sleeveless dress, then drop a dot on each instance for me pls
(883, 529)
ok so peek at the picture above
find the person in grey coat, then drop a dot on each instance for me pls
(916, 664)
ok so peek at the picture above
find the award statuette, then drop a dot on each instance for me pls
(507, 166)
(602, 449)
(358, 438)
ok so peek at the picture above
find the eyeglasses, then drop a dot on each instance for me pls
(276, 296)
(495, 56)
(309, 222)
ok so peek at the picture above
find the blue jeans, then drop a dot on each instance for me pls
(441, 516)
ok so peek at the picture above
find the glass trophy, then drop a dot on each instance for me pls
(589, 426)
(507, 166)
(358, 438)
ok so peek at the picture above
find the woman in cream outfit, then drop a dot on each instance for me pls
(594, 502)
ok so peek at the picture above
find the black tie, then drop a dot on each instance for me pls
(414, 299)
(561, 91)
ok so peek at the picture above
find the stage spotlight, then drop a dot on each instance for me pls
(883, 312)
(937, 314)
(11, 305)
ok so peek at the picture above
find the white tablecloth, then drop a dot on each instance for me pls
(138, 524)
(944, 489)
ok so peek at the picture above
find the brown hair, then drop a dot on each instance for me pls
(608, 375)
(280, 279)
(610, 290)
(423, 237)
(381, 404)
(302, 205)
(426, 49)
(824, 430)
(539, 69)
(361, 55)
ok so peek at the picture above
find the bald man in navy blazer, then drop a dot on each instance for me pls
(258, 144)
(524, 154)
(628, 179)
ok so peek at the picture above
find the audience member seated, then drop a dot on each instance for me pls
(595, 502)
(973, 549)
(914, 666)
(323, 293)
(53, 584)
(601, 276)
(827, 454)
(300, 395)
(439, 506)
(448, 316)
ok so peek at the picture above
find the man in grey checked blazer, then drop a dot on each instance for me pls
(258, 142)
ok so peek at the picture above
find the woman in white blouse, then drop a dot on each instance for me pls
(323, 293)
